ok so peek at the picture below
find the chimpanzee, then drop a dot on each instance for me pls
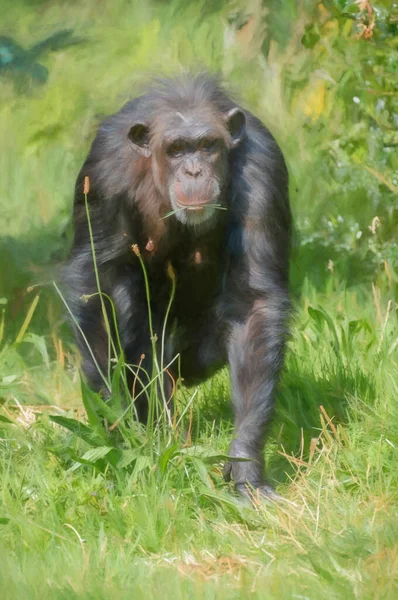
(185, 147)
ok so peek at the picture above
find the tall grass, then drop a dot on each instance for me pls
(116, 438)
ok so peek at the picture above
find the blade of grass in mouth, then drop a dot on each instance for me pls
(173, 212)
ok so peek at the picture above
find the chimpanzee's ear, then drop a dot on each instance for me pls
(139, 139)
(236, 124)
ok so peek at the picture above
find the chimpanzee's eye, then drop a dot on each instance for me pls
(208, 145)
(176, 149)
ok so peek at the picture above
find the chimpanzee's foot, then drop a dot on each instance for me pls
(248, 473)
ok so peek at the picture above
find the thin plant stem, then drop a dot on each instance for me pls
(104, 312)
(155, 366)
(172, 276)
(84, 337)
(149, 384)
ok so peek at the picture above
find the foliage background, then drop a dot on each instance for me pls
(323, 76)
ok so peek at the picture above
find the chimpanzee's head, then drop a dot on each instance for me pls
(188, 145)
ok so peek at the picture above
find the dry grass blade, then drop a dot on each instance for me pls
(27, 320)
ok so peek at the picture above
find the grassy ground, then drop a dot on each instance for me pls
(165, 524)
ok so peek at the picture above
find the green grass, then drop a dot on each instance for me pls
(146, 513)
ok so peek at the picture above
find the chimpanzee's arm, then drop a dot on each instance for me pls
(258, 299)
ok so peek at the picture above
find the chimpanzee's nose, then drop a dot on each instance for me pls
(192, 169)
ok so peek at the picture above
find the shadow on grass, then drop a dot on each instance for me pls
(297, 418)
(297, 414)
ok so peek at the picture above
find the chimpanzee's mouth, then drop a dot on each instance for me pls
(194, 214)
(199, 211)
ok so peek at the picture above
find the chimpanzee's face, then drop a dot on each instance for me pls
(190, 153)
(196, 161)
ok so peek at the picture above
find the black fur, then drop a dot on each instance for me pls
(233, 307)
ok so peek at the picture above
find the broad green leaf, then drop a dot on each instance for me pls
(127, 457)
(166, 456)
(93, 406)
(91, 457)
(209, 456)
(143, 462)
(95, 454)
(78, 428)
(201, 470)
(97, 409)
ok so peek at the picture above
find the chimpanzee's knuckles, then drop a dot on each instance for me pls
(249, 470)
